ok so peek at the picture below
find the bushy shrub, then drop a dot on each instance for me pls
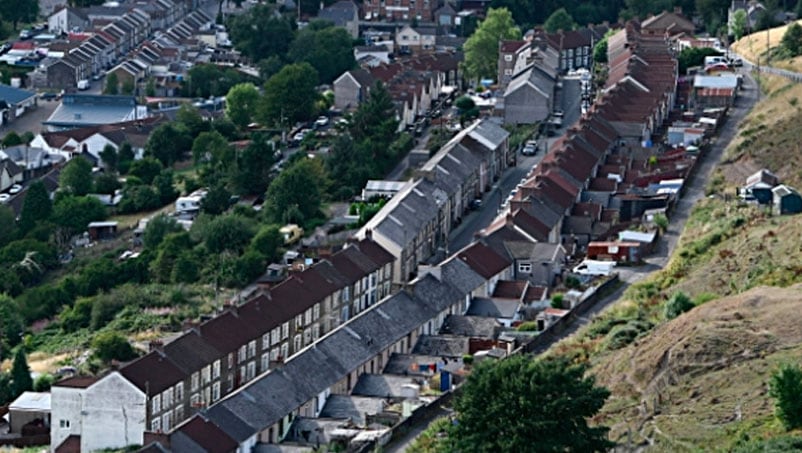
(678, 304)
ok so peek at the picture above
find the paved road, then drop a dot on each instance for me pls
(790, 75)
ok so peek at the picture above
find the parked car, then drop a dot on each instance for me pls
(530, 149)
(476, 203)
(16, 188)
(4, 197)
(558, 113)
(321, 121)
(736, 62)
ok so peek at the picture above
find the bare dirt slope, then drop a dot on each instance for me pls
(700, 380)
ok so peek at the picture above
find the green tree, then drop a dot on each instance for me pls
(694, 56)
(559, 20)
(106, 184)
(12, 139)
(212, 148)
(241, 103)
(260, 34)
(71, 214)
(297, 191)
(786, 389)
(76, 177)
(217, 199)
(190, 122)
(553, 393)
(226, 233)
(125, 156)
(36, 207)
(165, 186)
(146, 169)
(112, 84)
(185, 269)
(792, 40)
(21, 378)
(289, 95)
(6, 389)
(8, 227)
(109, 158)
(268, 242)
(739, 23)
(678, 304)
(157, 229)
(110, 346)
(128, 86)
(16, 11)
(252, 173)
(167, 143)
(481, 49)
(11, 326)
(329, 49)
(43, 383)
(374, 120)
(600, 49)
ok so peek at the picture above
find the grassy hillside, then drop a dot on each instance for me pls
(754, 48)
(699, 382)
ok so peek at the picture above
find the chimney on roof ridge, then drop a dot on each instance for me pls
(155, 345)
(509, 219)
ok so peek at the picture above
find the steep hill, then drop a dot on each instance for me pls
(701, 379)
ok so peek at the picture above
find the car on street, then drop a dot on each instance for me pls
(736, 62)
(558, 113)
(15, 189)
(4, 197)
(530, 148)
(475, 204)
(321, 121)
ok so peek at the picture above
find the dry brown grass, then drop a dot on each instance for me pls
(753, 47)
(700, 380)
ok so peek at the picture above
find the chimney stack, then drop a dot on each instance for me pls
(155, 345)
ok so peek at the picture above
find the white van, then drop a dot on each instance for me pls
(715, 60)
(594, 267)
(83, 84)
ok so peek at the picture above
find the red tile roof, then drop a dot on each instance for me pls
(510, 289)
(79, 382)
(153, 373)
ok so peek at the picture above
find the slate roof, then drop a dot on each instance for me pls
(92, 110)
(208, 436)
(441, 346)
(484, 260)
(382, 385)
(14, 95)
(352, 407)
(79, 382)
(497, 308)
(153, 373)
(340, 13)
(489, 133)
(470, 326)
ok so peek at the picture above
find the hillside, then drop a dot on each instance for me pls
(701, 379)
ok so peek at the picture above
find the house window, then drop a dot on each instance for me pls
(230, 360)
(216, 369)
(285, 330)
(508, 57)
(315, 332)
(274, 354)
(316, 312)
(299, 321)
(206, 374)
(156, 404)
(275, 336)
(63, 423)
(307, 336)
(216, 391)
(156, 425)
(308, 317)
(167, 398)
(525, 267)
(179, 414)
(195, 380)
(251, 349)
(285, 351)
(194, 400)
(266, 341)
(296, 344)
(179, 391)
(167, 421)
(265, 361)
(508, 72)
(346, 294)
(251, 370)
(344, 314)
(241, 354)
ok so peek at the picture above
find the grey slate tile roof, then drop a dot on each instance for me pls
(89, 110)
(489, 132)
(471, 326)
(14, 95)
(441, 346)
(409, 211)
(458, 274)
(402, 364)
(340, 13)
(497, 308)
(382, 385)
(352, 407)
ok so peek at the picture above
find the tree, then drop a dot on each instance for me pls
(297, 193)
(190, 122)
(289, 95)
(260, 34)
(329, 49)
(21, 379)
(467, 109)
(739, 23)
(124, 157)
(11, 325)
(678, 304)
(112, 84)
(110, 346)
(72, 214)
(109, 158)
(694, 56)
(106, 184)
(252, 173)
(226, 233)
(481, 49)
(267, 242)
(168, 142)
(241, 103)
(559, 20)
(128, 86)
(217, 199)
(792, 40)
(157, 229)
(165, 187)
(146, 169)
(553, 394)
(16, 11)
(36, 207)
(76, 177)
(8, 227)
(786, 388)
(213, 149)
(12, 139)
(600, 49)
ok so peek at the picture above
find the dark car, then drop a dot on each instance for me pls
(475, 204)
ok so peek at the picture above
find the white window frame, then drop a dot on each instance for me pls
(179, 392)
(156, 425)
(525, 267)
(195, 381)
(251, 349)
(156, 404)
(215, 391)
(216, 369)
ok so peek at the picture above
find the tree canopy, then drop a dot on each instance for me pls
(792, 40)
(241, 102)
(295, 196)
(259, 34)
(481, 49)
(21, 378)
(290, 95)
(76, 177)
(739, 23)
(329, 49)
(36, 207)
(559, 20)
(521, 404)
(786, 388)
